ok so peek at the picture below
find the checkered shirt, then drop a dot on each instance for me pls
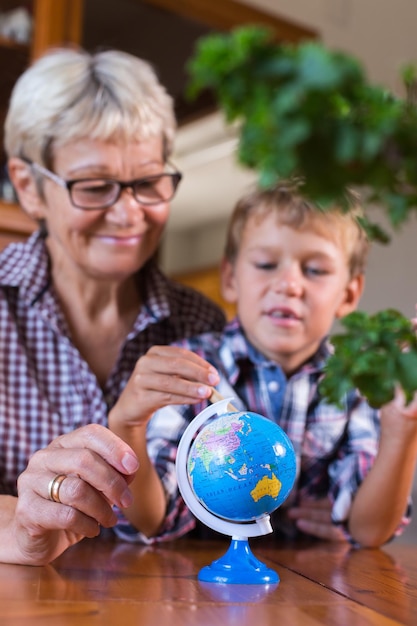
(335, 447)
(46, 387)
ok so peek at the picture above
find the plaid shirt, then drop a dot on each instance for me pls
(46, 387)
(335, 448)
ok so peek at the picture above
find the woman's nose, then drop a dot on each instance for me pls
(127, 210)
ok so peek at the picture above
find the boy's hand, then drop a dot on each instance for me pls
(164, 375)
(399, 421)
(414, 321)
(313, 517)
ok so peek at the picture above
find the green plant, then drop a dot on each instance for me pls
(306, 111)
(376, 354)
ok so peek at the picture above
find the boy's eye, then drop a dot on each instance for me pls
(267, 266)
(311, 270)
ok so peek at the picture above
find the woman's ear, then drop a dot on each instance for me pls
(26, 188)
(227, 281)
(353, 292)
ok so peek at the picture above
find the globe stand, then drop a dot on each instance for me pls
(238, 566)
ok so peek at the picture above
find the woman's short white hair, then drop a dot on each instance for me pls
(70, 94)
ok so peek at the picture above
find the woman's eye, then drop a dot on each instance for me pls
(99, 189)
(92, 188)
(145, 184)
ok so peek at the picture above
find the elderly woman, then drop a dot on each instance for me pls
(88, 139)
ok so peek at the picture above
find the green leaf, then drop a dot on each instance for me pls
(374, 354)
(316, 67)
(407, 372)
(306, 110)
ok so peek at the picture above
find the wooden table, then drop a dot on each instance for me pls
(106, 583)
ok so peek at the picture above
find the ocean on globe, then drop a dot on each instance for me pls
(241, 466)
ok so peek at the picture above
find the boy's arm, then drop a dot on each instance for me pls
(382, 498)
(147, 512)
(165, 375)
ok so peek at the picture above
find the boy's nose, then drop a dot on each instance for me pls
(288, 283)
(290, 287)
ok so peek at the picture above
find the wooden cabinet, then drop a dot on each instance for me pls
(15, 225)
(55, 22)
(208, 282)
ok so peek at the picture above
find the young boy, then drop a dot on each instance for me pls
(291, 270)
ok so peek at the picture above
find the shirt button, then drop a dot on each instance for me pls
(273, 386)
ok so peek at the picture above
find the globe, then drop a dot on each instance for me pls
(241, 466)
(234, 468)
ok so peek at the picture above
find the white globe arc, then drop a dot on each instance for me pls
(254, 528)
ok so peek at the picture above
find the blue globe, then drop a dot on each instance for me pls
(241, 466)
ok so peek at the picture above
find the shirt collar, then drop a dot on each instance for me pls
(26, 266)
(236, 349)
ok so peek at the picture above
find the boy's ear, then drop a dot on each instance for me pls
(26, 188)
(227, 281)
(353, 292)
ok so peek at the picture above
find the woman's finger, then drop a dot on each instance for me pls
(99, 440)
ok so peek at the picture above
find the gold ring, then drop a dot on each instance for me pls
(54, 487)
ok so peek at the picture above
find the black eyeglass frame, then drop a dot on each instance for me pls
(176, 177)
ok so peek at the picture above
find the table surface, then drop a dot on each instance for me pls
(105, 582)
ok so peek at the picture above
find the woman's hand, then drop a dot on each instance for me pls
(164, 375)
(98, 467)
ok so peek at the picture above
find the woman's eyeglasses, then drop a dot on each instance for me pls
(91, 194)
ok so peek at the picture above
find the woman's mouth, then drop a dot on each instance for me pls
(118, 240)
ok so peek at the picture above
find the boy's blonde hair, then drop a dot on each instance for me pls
(292, 209)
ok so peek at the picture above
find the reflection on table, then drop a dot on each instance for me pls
(106, 582)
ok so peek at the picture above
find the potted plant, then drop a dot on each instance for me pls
(305, 111)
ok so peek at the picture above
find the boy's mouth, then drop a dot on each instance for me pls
(283, 313)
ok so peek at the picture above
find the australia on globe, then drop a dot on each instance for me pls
(241, 466)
